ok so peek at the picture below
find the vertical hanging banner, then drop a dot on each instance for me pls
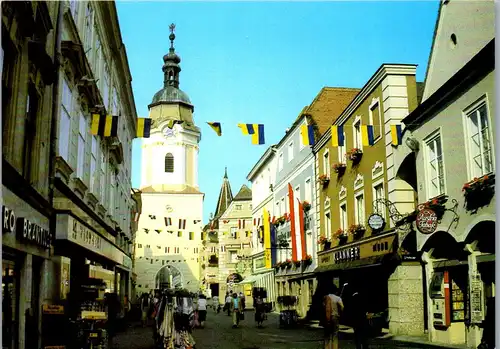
(367, 135)
(104, 125)
(143, 127)
(274, 252)
(337, 136)
(396, 134)
(307, 134)
(292, 205)
(302, 235)
(255, 130)
(267, 240)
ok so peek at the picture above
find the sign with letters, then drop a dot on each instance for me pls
(25, 229)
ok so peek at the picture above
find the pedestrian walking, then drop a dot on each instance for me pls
(359, 320)
(260, 311)
(215, 303)
(333, 306)
(242, 299)
(202, 310)
(145, 305)
(235, 308)
(227, 305)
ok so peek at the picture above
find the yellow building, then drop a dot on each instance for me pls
(358, 201)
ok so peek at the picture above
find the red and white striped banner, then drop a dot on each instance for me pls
(292, 205)
(241, 224)
(301, 233)
(168, 221)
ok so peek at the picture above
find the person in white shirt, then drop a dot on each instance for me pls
(215, 303)
(229, 300)
(202, 310)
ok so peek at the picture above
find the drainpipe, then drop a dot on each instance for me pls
(55, 100)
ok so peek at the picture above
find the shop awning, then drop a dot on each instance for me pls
(252, 279)
(360, 263)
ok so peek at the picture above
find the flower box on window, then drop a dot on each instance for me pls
(357, 230)
(479, 192)
(308, 260)
(341, 235)
(287, 264)
(339, 168)
(324, 180)
(297, 264)
(355, 155)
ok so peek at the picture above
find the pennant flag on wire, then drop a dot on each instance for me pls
(256, 130)
(367, 135)
(143, 127)
(396, 134)
(337, 136)
(104, 125)
(307, 133)
(216, 126)
(168, 221)
(172, 123)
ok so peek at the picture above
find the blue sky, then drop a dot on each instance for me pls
(258, 62)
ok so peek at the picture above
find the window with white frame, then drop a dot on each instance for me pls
(103, 173)
(116, 102)
(479, 139)
(89, 26)
(278, 209)
(65, 120)
(343, 216)
(328, 225)
(357, 135)
(73, 7)
(360, 209)
(233, 256)
(342, 152)
(378, 196)
(308, 191)
(94, 173)
(326, 163)
(106, 86)
(375, 119)
(82, 135)
(435, 166)
(290, 151)
(280, 162)
(282, 206)
(98, 54)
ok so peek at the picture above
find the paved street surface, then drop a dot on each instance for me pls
(218, 334)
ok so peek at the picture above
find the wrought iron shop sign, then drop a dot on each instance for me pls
(426, 221)
(26, 229)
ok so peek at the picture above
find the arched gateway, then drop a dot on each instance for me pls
(169, 277)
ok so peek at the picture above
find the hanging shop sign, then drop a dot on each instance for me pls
(26, 230)
(376, 222)
(426, 221)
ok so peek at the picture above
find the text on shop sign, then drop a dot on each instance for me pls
(349, 254)
(83, 234)
(25, 229)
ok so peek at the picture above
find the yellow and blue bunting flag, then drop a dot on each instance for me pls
(172, 123)
(256, 130)
(396, 134)
(367, 135)
(337, 136)
(104, 125)
(307, 133)
(216, 126)
(143, 127)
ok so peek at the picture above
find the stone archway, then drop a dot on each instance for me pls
(169, 277)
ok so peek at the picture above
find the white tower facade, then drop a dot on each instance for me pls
(169, 237)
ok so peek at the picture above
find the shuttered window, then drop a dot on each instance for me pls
(169, 163)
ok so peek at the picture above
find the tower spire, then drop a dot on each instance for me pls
(225, 172)
(171, 68)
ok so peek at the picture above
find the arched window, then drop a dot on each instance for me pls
(169, 163)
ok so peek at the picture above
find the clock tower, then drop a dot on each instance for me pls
(168, 239)
(170, 155)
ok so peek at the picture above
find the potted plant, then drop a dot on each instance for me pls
(297, 264)
(355, 155)
(341, 235)
(287, 264)
(479, 192)
(357, 230)
(339, 168)
(324, 180)
(308, 260)
(436, 204)
(306, 206)
(323, 241)
(277, 266)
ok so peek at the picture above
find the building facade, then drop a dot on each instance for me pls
(359, 197)
(235, 237)
(447, 157)
(169, 236)
(262, 178)
(28, 87)
(295, 175)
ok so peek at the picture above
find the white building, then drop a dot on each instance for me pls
(168, 239)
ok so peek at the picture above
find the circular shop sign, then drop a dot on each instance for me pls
(376, 221)
(426, 221)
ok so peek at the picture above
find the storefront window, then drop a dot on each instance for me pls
(9, 301)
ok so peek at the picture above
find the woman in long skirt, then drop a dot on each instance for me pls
(259, 311)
